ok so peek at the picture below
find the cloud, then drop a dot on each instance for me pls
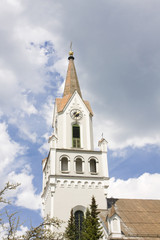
(144, 187)
(26, 193)
(15, 170)
(3, 230)
(9, 150)
(117, 62)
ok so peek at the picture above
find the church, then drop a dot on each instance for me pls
(73, 172)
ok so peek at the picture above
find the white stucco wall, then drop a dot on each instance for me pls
(71, 193)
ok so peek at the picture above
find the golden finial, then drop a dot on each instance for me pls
(71, 52)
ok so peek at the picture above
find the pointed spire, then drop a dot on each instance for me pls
(71, 83)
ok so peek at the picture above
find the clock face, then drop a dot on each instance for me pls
(76, 114)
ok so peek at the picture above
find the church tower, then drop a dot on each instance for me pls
(73, 172)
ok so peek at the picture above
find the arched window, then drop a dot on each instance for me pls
(76, 136)
(79, 168)
(78, 221)
(93, 166)
(64, 164)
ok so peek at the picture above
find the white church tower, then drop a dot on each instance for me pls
(73, 172)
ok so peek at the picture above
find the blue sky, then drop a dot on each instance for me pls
(116, 46)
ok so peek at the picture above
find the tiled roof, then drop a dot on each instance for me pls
(139, 218)
(61, 103)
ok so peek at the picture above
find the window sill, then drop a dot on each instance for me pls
(93, 173)
(79, 172)
(64, 171)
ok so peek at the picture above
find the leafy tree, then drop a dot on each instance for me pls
(70, 232)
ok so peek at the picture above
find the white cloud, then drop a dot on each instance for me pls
(117, 67)
(144, 187)
(3, 230)
(47, 111)
(45, 146)
(11, 152)
(26, 193)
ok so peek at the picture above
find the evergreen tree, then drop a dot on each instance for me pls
(70, 232)
(91, 228)
(96, 227)
(87, 226)
(91, 225)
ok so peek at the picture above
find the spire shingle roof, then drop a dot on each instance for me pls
(71, 83)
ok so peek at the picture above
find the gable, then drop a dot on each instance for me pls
(62, 103)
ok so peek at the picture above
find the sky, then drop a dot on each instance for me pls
(116, 46)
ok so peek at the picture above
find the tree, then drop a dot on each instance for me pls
(87, 226)
(96, 227)
(91, 228)
(70, 232)
(43, 231)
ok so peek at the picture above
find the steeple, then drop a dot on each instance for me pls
(71, 83)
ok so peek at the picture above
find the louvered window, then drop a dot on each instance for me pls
(76, 136)
(93, 167)
(64, 164)
(79, 165)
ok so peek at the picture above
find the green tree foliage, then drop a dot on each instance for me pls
(91, 228)
(96, 227)
(87, 226)
(70, 232)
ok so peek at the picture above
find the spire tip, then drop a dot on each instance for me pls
(70, 52)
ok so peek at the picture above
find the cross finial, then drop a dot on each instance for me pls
(71, 46)
(102, 135)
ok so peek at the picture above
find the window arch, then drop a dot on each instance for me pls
(93, 166)
(76, 143)
(78, 222)
(64, 164)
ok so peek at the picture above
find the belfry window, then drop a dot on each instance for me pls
(64, 164)
(76, 136)
(79, 168)
(93, 166)
(78, 221)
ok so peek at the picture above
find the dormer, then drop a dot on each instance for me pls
(114, 224)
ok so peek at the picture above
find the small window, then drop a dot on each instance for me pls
(93, 167)
(64, 164)
(76, 136)
(115, 225)
(79, 165)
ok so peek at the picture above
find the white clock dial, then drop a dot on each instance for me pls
(76, 114)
